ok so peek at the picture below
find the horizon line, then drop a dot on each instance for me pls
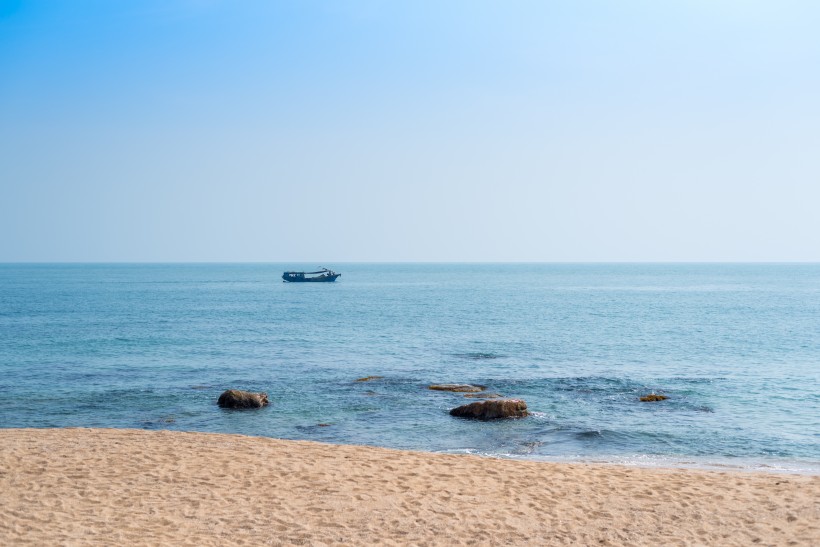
(556, 262)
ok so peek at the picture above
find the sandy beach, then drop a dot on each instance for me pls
(104, 487)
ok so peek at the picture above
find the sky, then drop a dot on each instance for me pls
(434, 131)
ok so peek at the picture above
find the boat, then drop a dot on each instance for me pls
(323, 275)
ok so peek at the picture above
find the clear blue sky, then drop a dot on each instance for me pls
(207, 130)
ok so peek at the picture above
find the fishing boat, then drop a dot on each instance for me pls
(323, 275)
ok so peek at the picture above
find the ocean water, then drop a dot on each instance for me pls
(736, 348)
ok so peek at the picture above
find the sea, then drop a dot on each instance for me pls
(734, 347)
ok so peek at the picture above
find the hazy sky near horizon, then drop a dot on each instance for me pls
(207, 130)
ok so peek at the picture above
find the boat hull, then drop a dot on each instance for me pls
(297, 278)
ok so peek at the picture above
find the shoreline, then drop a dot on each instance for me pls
(98, 486)
(690, 463)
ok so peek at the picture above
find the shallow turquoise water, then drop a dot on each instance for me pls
(735, 347)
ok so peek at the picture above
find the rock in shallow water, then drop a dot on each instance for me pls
(491, 410)
(458, 388)
(653, 397)
(234, 398)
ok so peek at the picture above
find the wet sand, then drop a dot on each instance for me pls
(104, 487)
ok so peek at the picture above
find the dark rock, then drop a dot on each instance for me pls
(653, 397)
(458, 388)
(369, 378)
(484, 396)
(490, 410)
(234, 398)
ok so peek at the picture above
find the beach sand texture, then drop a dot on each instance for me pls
(131, 487)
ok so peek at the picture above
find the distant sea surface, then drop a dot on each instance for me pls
(736, 348)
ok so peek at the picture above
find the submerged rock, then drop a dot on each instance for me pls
(477, 355)
(491, 410)
(369, 378)
(484, 396)
(458, 388)
(652, 397)
(234, 398)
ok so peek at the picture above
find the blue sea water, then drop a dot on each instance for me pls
(735, 347)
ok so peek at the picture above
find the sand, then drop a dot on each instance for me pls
(108, 487)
